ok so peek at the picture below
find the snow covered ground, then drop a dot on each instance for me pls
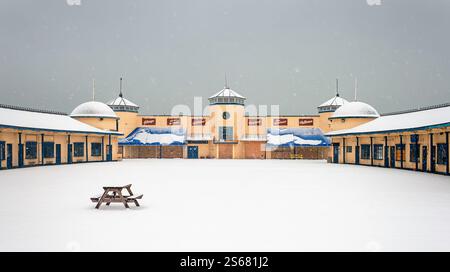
(225, 205)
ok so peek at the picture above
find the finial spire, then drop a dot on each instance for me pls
(93, 89)
(226, 81)
(120, 92)
(337, 87)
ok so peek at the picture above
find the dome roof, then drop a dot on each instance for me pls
(335, 101)
(227, 92)
(355, 109)
(93, 109)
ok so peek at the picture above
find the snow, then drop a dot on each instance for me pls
(404, 121)
(93, 109)
(355, 109)
(335, 101)
(226, 92)
(155, 136)
(44, 121)
(297, 137)
(267, 205)
(120, 101)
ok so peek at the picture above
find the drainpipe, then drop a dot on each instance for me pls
(357, 153)
(371, 151)
(386, 150)
(401, 151)
(417, 153)
(432, 154)
(21, 157)
(343, 149)
(42, 149)
(109, 146)
(103, 148)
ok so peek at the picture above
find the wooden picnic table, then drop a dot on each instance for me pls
(113, 194)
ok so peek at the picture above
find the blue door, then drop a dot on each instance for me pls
(192, 152)
(109, 153)
(58, 154)
(386, 156)
(357, 155)
(336, 153)
(20, 155)
(424, 158)
(9, 155)
(392, 148)
(69, 153)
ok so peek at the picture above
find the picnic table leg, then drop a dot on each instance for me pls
(100, 201)
(129, 190)
(136, 202)
(123, 199)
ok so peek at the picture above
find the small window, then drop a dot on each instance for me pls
(442, 155)
(414, 152)
(348, 149)
(30, 150)
(225, 133)
(78, 149)
(365, 152)
(378, 152)
(400, 152)
(96, 149)
(48, 149)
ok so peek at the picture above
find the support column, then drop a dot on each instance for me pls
(103, 148)
(448, 151)
(371, 151)
(402, 148)
(386, 152)
(343, 149)
(87, 149)
(42, 149)
(357, 151)
(432, 154)
(417, 153)
(69, 150)
(109, 148)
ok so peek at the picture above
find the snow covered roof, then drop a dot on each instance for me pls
(335, 101)
(226, 92)
(155, 136)
(93, 109)
(120, 101)
(355, 109)
(297, 137)
(21, 118)
(421, 119)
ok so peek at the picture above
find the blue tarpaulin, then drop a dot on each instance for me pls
(144, 136)
(297, 137)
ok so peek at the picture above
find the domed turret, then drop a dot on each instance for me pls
(121, 104)
(226, 96)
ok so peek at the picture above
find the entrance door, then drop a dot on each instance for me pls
(336, 153)
(392, 155)
(9, 156)
(69, 153)
(58, 154)
(109, 153)
(192, 152)
(357, 155)
(386, 156)
(20, 162)
(424, 158)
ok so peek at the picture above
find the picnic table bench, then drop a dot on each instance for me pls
(113, 194)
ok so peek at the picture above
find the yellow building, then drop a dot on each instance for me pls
(416, 140)
(31, 137)
(226, 131)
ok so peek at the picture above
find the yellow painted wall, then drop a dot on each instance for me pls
(346, 123)
(101, 123)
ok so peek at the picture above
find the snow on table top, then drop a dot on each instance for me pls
(403, 121)
(23, 119)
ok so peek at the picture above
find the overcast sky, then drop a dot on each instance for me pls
(274, 52)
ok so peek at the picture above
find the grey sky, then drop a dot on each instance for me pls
(274, 52)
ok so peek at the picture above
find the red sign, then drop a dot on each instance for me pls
(305, 122)
(280, 122)
(148, 121)
(173, 121)
(254, 122)
(198, 121)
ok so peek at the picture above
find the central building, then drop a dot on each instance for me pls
(228, 130)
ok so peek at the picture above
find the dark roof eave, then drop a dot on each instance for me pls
(390, 131)
(60, 130)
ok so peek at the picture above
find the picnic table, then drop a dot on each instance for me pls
(114, 194)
